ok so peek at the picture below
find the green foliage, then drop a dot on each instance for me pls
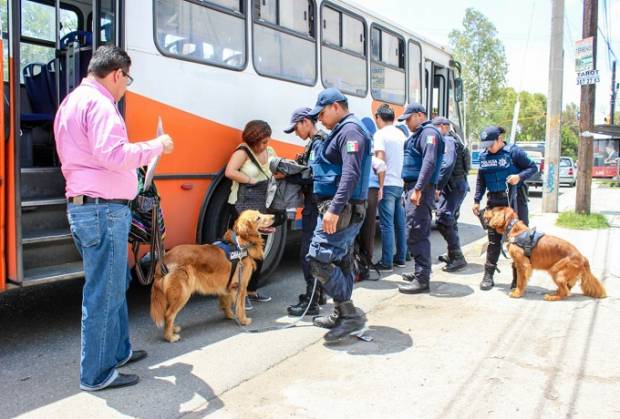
(581, 221)
(570, 131)
(482, 54)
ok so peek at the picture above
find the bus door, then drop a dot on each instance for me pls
(439, 102)
(108, 24)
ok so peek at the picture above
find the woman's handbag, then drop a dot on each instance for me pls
(147, 227)
(252, 196)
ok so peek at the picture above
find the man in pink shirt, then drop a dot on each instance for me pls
(99, 165)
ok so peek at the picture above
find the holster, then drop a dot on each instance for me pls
(351, 213)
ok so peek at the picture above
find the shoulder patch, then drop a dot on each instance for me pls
(430, 139)
(353, 146)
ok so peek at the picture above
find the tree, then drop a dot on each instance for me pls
(484, 67)
(569, 131)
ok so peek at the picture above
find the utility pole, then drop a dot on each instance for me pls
(586, 117)
(551, 177)
(613, 93)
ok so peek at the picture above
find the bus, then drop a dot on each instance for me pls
(205, 67)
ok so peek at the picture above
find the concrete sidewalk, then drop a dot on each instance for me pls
(458, 352)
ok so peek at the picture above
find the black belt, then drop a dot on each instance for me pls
(83, 199)
(411, 185)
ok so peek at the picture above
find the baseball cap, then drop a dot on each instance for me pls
(327, 97)
(440, 120)
(489, 135)
(298, 115)
(413, 107)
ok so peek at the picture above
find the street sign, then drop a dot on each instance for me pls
(588, 77)
(584, 54)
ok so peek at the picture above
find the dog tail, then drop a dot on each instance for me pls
(591, 286)
(158, 300)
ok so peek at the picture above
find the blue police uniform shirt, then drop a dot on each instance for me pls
(345, 148)
(449, 160)
(423, 156)
(495, 168)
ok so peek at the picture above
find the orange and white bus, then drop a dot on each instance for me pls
(206, 67)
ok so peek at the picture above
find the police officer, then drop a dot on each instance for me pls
(305, 128)
(451, 192)
(341, 171)
(424, 152)
(503, 171)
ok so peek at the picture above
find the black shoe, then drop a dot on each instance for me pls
(299, 309)
(382, 268)
(456, 263)
(350, 322)
(487, 280)
(408, 277)
(136, 356)
(415, 287)
(397, 263)
(444, 258)
(327, 322)
(124, 380)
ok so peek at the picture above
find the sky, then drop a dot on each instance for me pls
(528, 63)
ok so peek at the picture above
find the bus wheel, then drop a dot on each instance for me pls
(218, 219)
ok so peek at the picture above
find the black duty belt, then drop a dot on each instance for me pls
(83, 199)
(411, 185)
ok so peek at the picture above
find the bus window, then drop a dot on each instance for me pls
(439, 89)
(453, 111)
(211, 33)
(387, 66)
(38, 37)
(284, 40)
(415, 72)
(343, 51)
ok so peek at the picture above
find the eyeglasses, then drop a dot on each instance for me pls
(129, 78)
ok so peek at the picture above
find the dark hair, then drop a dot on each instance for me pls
(108, 58)
(501, 130)
(344, 104)
(255, 131)
(385, 112)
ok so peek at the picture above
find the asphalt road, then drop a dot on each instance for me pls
(40, 339)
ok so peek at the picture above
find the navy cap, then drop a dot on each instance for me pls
(489, 135)
(299, 115)
(440, 120)
(413, 107)
(327, 97)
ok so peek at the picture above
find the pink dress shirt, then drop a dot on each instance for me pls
(96, 156)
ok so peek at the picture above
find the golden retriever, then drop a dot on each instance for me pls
(206, 269)
(558, 257)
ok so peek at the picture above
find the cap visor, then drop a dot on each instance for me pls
(486, 144)
(315, 111)
(404, 116)
(290, 129)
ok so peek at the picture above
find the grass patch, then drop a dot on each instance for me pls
(581, 221)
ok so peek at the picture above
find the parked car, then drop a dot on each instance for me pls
(568, 171)
(536, 180)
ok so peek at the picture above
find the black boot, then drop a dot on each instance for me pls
(350, 322)
(457, 261)
(322, 295)
(415, 287)
(487, 280)
(445, 258)
(328, 321)
(304, 299)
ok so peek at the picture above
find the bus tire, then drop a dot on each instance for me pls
(217, 218)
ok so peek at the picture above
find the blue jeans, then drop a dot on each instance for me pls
(331, 249)
(100, 232)
(392, 219)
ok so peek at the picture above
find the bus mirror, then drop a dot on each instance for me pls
(458, 89)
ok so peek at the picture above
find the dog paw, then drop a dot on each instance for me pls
(173, 338)
(552, 297)
(246, 322)
(176, 329)
(229, 315)
(515, 293)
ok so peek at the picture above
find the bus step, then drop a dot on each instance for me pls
(46, 274)
(43, 202)
(46, 236)
(41, 182)
(42, 254)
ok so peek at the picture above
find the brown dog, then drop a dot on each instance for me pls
(558, 257)
(206, 269)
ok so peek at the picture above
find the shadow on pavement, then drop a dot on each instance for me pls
(386, 340)
(449, 289)
(175, 384)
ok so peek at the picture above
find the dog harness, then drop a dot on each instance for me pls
(526, 240)
(234, 253)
